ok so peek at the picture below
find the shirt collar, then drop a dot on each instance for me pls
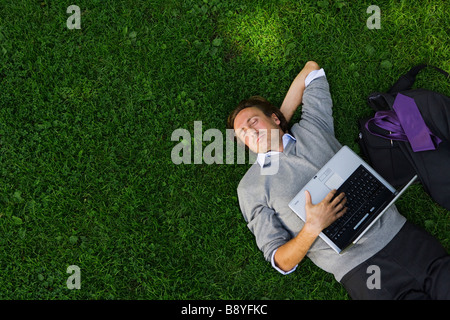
(262, 156)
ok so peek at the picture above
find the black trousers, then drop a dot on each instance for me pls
(414, 265)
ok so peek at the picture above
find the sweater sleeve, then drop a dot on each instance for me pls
(262, 221)
(317, 106)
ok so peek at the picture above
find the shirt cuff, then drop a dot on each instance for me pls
(272, 260)
(314, 75)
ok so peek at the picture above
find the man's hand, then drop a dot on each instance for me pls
(321, 215)
(318, 217)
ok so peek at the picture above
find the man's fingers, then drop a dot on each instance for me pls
(338, 198)
(338, 202)
(336, 205)
(339, 207)
(330, 195)
(340, 213)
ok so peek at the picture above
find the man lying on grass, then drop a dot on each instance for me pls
(412, 263)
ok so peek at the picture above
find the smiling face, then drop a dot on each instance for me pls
(257, 131)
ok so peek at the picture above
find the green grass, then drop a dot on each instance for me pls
(86, 118)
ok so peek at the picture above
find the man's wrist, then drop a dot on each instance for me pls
(311, 230)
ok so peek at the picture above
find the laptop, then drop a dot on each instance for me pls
(368, 197)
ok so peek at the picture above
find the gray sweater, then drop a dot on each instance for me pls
(264, 198)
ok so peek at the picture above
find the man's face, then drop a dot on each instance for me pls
(257, 131)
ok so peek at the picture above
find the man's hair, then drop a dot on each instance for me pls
(262, 104)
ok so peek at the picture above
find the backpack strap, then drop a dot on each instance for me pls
(406, 81)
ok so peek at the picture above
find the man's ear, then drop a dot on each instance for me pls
(275, 118)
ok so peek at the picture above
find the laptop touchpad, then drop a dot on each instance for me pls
(334, 182)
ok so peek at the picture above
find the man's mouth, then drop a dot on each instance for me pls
(259, 137)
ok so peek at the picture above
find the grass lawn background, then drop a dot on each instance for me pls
(86, 118)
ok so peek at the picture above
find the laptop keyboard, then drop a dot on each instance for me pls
(365, 195)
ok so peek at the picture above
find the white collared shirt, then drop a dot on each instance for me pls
(262, 156)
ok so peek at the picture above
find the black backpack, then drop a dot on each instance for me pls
(395, 160)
